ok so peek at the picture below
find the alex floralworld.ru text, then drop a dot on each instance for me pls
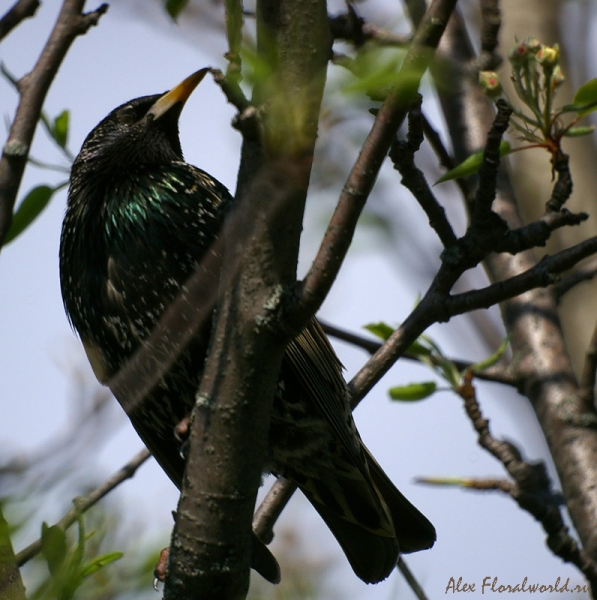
(491, 584)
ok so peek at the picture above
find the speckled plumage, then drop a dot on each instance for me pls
(139, 221)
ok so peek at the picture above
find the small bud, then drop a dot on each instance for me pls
(522, 51)
(533, 45)
(518, 54)
(557, 77)
(548, 56)
(490, 82)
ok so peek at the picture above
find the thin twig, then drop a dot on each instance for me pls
(541, 275)
(410, 579)
(575, 277)
(20, 10)
(445, 159)
(489, 167)
(532, 490)
(562, 188)
(536, 234)
(392, 113)
(491, 484)
(496, 373)
(350, 26)
(402, 154)
(33, 88)
(84, 503)
(271, 507)
(589, 371)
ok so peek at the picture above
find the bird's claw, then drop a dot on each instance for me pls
(182, 429)
(161, 568)
(181, 434)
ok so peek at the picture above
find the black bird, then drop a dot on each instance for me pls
(139, 221)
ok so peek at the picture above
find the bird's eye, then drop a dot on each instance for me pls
(132, 113)
(140, 111)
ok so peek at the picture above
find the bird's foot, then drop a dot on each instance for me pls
(161, 568)
(181, 433)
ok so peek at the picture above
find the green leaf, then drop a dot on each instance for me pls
(376, 70)
(175, 7)
(582, 109)
(381, 330)
(413, 391)
(580, 131)
(60, 128)
(472, 164)
(99, 562)
(419, 350)
(449, 372)
(493, 359)
(53, 546)
(586, 95)
(29, 209)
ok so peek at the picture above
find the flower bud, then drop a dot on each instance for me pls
(490, 82)
(548, 56)
(557, 77)
(522, 51)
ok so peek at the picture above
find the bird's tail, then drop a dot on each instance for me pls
(371, 520)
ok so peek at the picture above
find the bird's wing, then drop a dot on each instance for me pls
(319, 370)
(369, 541)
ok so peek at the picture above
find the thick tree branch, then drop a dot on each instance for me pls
(33, 88)
(211, 543)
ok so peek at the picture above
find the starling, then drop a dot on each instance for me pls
(139, 221)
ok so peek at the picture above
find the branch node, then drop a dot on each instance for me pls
(16, 149)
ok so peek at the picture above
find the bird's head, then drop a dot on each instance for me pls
(139, 133)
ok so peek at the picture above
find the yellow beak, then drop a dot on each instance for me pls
(180, 93)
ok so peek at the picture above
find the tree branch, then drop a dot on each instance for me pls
(575, 277)
(495, 373)
(402, 155)
(11, 583)
(211, 543)
(390, 116)
(20, 10)
(541, 359)
(589, 373)
(33, 88)
(271, 508)
(532, 490)
(84, 503)
(351, 27)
